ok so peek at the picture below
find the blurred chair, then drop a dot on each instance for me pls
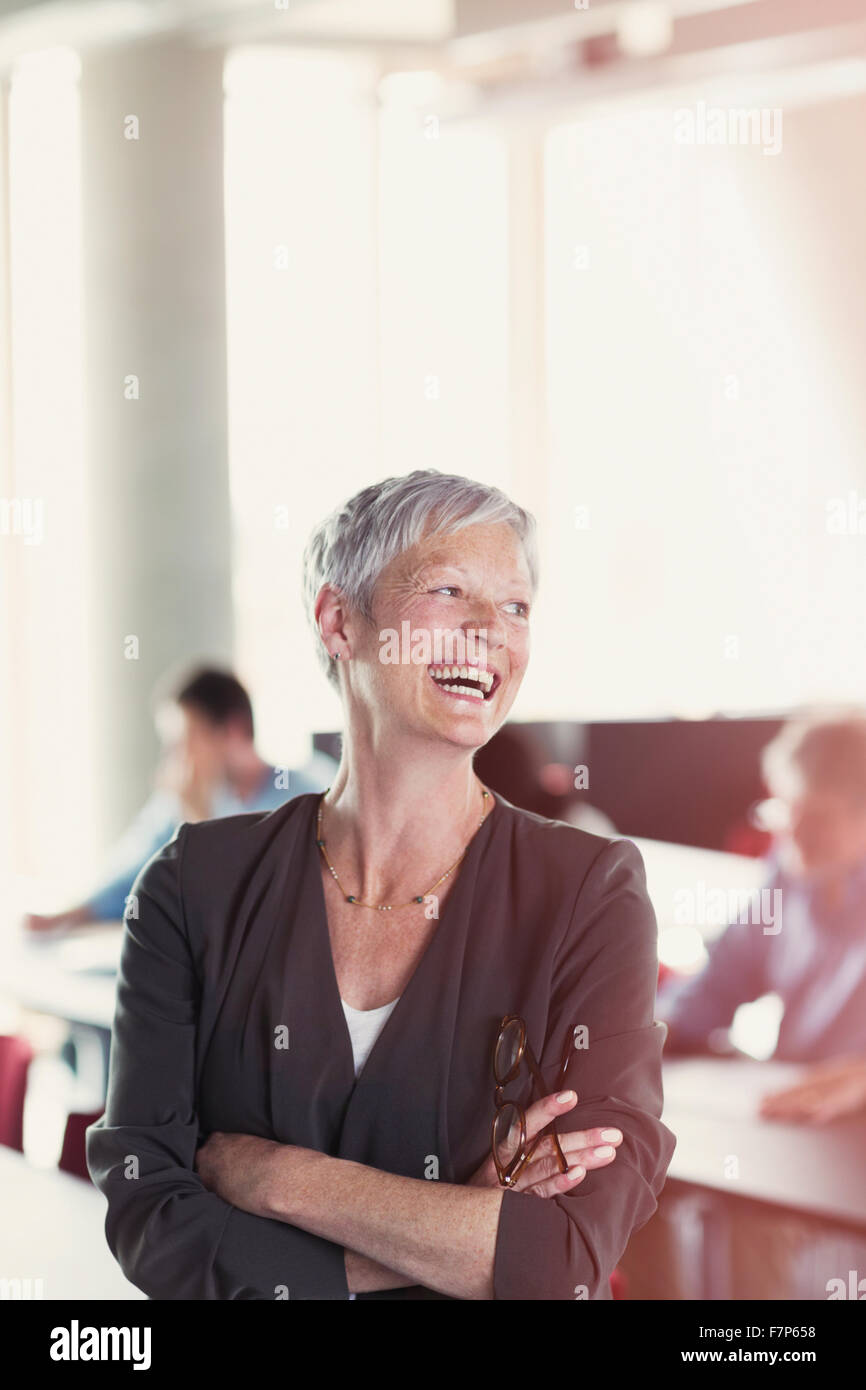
(16, 1054)
(73, 1157)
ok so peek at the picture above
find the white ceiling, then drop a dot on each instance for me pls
(489, 40)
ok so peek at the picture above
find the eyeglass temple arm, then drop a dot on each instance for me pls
(536, 1070)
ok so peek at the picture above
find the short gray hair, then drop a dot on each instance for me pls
(824, 745)
(352, 546)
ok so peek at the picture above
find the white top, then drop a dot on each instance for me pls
(365, 1025)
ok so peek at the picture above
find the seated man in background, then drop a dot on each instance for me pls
(209, 767)
(816, 961)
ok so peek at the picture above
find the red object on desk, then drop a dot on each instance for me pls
(747, 839)
(665, 973)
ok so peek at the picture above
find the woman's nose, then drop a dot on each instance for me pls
(488, 623)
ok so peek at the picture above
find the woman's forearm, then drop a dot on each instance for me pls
(437, 1234)
(364, 1275)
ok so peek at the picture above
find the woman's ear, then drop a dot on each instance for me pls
(330, 616)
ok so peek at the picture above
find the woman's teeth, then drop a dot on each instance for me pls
(452, 678)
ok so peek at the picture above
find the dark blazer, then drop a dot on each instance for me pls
(231, 944)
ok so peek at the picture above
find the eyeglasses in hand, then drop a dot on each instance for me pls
(509, 1141)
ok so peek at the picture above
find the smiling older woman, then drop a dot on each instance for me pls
(301, 1092)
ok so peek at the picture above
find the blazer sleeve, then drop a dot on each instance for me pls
(171, 1237)
(566, 1247)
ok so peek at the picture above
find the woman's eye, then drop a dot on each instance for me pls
(522, 608)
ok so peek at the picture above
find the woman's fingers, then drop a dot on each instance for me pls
(543, 1111)
(539, 1115)
(582, 1142)
(592, 1147)
(541, 1174)
(556, 1183)
(583, 1149)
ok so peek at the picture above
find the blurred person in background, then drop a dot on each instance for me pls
(209, 767)
(814, 958)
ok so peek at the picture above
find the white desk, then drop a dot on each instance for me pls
(753, 1207)
(52, 1227)
(70, 976)
(711, 1105)
(671, 869)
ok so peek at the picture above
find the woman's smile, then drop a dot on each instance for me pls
(471, 684)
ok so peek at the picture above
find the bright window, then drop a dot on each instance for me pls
(699, 427)
(366, 271)
(48, 794)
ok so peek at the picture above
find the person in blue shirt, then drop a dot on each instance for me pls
(810, 949)
(209, 768)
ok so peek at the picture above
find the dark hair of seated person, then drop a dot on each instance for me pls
(212, 692)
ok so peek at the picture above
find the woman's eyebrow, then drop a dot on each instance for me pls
(433, 563)
(432, 567)
(429, 566)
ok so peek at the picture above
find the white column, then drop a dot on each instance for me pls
(155, 384)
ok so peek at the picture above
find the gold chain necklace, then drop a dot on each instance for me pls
(388, 907)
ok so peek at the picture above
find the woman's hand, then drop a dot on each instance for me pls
(826, 1091)
(240, 1168)
(583, 1149)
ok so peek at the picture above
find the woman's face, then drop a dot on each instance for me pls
(448, 587)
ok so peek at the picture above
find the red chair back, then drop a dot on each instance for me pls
(73, 1157)
(16, 1054)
